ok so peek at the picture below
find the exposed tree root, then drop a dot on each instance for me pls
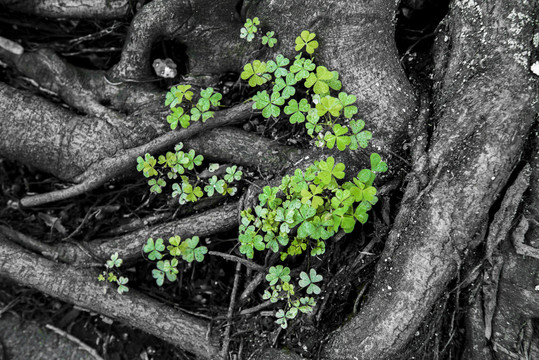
(80, 287)
(474, 150)
(129, 246)
(75, 9)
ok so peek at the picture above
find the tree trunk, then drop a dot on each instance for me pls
(470, 130)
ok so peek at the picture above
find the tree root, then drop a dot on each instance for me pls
(81, 288)
(433, 230)
(71, 9)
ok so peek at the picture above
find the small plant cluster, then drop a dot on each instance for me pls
(180, 164)
(201, 111)
(309, 207)
(249, 30)
(110, 274)
(323, 114)
(188, 249)
(302, 213)
(285, 291)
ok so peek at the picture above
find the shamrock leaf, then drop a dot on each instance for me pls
(159, 276)
(114, 261)
(286, 85)
(296, 110)
(256, 73)
(302, 68)
(156, 185)
(278, 66)
(121, 282)
(317, 80)
(312, 122)
(153, 248)
(269, 39)
(269, 107)
(306, 39)
(281, 318)
(328, 170)
(249, 29)
(176, 94)
(338, 136)
(346, 102)
(359, 138)
(311, 196)
(377, 164)
(214, 185)
(168, 268)
(276, 273)
(309, 281)
(174, 247)
(233, 174)
(146, 165)
(329, 104)
(190, 251)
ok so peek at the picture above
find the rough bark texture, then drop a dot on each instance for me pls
(484, 103)
(75, 9)
(356, 40)
(483, 117)
(81, 288)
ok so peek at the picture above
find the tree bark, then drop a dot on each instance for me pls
(484, 101)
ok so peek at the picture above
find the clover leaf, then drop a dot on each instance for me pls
(233, 174)
(329, 104)
(256, 73)
(281, 318)
(269, 39)
(359, 138)
(312, 196)
(121, 282)
(156, 185)
(317, 80)
(377, 164)
(306, 39)
(176, 94)
(153, 248)
(190, 251)
(309, 281)
(214, 185)
(114, 261)
(168, 268)
(337, 137)
(269, 107)
(249, 29)
(174, 247)
(276, 273)
(312, 122)
(346, 102)
(146, 165)
(296, 110)
(328, 170)
(208, 97)
(278, 66)
(159, 276)
(286, 85)
(302, 68)
(169, 160)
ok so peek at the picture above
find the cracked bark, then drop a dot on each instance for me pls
(483, 106)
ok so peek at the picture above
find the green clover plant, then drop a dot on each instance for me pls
(303, 213)
(249, 29)
(111, 275)
(188, 249)
(268, 39)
